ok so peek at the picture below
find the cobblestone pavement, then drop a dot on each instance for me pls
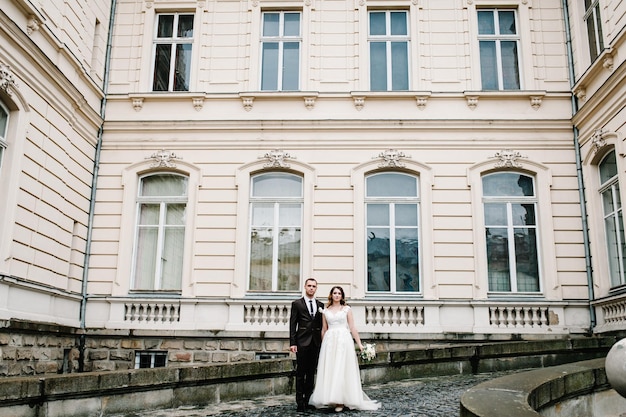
(422, 397)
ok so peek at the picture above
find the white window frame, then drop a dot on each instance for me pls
(277, 201)
(498, 38)
(280, 39)
(3, 135)
(173, 41)
(388, 39)
(163, 202)
(597, 42)
(391, 202)
(510, 228)
(616, 214)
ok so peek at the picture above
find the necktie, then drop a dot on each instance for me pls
(311, 305)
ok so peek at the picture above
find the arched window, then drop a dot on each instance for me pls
(4, 127)
(160, 231)
(275, 232)
(510, 207)
(392, 213)
(613, 220)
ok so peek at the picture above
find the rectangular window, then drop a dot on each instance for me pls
(172, 52)
(392, 213)
(275, 232)
(280, 51)
(150, 359)
(389, 50)
(162, 204)
(511, 232)
(594, 28)
(498, 42)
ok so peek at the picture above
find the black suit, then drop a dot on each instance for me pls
(305, 332)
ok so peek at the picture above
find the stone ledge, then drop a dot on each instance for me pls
(522, 394)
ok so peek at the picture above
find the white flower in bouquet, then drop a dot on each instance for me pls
(369, 352)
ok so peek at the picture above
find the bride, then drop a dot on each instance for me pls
(338, 382)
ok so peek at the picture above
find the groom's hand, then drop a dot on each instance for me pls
(293, 349)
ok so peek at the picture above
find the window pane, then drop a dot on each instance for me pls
(399, 66)
(162, 60)
(172, 259)
(510, 65)
(508, 184)
(407, 267)
(507, 22)
(378, 25)
(526, 260)
(175, 214)
(164, 185)
(378, 66)
(391, 185)
(398, 23)
(185, 26)
(183, 67)
(165, 27)
(277, 185)
(269, 70)
(290, 214)
(270, 24)
(495, 214)
(486, 24)
(4, 121)
(292, 24)
(608, 167)
(498, 259)
(149, 214)
(291, 65)
(378, 215)
(261, 249)
(488, 65)
(406, 214)
(289, 259)
(262, 214)
(523, 214)
(145, 262)
(378, 262)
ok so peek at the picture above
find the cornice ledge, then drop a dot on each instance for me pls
(308, 97)
(420, 97)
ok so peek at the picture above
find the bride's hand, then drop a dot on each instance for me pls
(361, 347)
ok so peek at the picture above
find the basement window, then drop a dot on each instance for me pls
(268, 355)
(152, 359)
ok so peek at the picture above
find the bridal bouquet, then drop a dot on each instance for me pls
(369, 352)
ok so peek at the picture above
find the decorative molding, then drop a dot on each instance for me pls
(247, 102)
(508, 158)
(276, 159)
(581, 93)
(163, 159)
(33, 24)
(472, 101)
(309, 102)
(421, 101)
(598, 139)
(7, 81)
(198, 103)
(607, 60)
(359, 102)
(391, 158)
(535, 101)
(137, 103)
(149, 4)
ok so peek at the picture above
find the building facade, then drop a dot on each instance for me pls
(428, 156)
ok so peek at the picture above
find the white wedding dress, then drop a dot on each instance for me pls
(338, 379)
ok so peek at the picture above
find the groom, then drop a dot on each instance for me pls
(305, 339)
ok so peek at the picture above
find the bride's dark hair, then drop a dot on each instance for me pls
(330, 296)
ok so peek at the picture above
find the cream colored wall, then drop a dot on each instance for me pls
(47, 168)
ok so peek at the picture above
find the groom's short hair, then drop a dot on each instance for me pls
(310, 279)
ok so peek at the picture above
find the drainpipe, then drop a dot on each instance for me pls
(579, 170)
(94, 183)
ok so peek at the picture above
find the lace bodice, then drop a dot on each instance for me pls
(338, 320)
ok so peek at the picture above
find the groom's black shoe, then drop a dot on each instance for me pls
(301, 407)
